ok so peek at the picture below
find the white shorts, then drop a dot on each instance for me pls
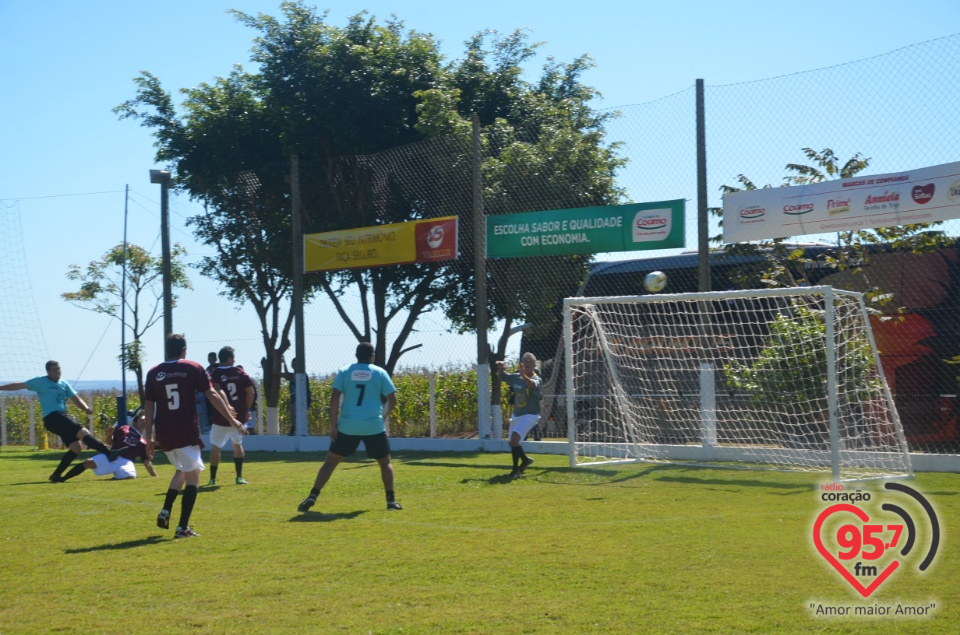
(121, 468)
(186, 459)
(523, 424)
(220, 436)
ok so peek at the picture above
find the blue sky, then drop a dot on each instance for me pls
(65, 158)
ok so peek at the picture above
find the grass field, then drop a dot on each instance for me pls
(614, 549)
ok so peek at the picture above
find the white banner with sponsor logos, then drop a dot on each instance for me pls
(924, 195)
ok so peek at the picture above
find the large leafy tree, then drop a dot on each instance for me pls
(543, 148)
(102, 291)
(380, 125)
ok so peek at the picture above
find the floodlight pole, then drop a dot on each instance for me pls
(163, 178)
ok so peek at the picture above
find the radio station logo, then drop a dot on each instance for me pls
(866, 538)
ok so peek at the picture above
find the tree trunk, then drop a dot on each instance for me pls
(271, 388)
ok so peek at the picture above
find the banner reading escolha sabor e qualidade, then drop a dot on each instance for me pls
(587, 230)
(924, 195)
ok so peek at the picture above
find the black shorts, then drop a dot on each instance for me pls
(63, 426)
(376, 445)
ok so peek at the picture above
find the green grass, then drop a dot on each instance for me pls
(614, 549)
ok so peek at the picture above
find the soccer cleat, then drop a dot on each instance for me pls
(393, 505)
(514, 475)
(307, 503)
(56, 478)
(163, 519)
(527, 462)
(241, 481)
(186, 532)
(213, 481)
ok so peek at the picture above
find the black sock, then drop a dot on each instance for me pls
(171, 497)
(213, 470)
(77, 469)
(186, 504)
(239, 465)
(523, 455)
(65, 462)
(314, 492)
(93, 444)
(390, 496)
(516, 451)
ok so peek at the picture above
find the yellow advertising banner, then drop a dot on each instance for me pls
(394, 244)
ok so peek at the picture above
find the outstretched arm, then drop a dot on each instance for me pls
(15, 386)
(82, 404)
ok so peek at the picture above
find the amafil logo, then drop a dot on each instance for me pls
(871, 540)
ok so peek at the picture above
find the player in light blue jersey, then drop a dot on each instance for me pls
(53, 393)
(363, 397)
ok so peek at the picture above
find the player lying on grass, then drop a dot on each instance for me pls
(127, 440)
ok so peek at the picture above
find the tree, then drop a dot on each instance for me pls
(791, 368)
(101, 291)
(543, 148)
(380, 128)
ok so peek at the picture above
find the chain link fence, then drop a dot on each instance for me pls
(898, 110)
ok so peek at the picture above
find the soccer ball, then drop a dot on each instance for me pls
(655, 281)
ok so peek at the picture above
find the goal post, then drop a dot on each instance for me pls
(785, 379)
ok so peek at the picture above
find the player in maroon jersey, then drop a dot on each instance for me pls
(236, 387)
(170, 408)
(128, 441)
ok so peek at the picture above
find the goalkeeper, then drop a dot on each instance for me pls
(525, 384)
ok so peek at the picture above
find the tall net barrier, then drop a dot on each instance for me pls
(22, 344)
(426, 312)
(784, 379)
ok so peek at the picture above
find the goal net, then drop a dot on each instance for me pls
(784, 379)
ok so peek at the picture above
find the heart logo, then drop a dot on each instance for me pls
(922, 193)
(829, 557)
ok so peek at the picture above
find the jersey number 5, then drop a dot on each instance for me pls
(173, 397)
